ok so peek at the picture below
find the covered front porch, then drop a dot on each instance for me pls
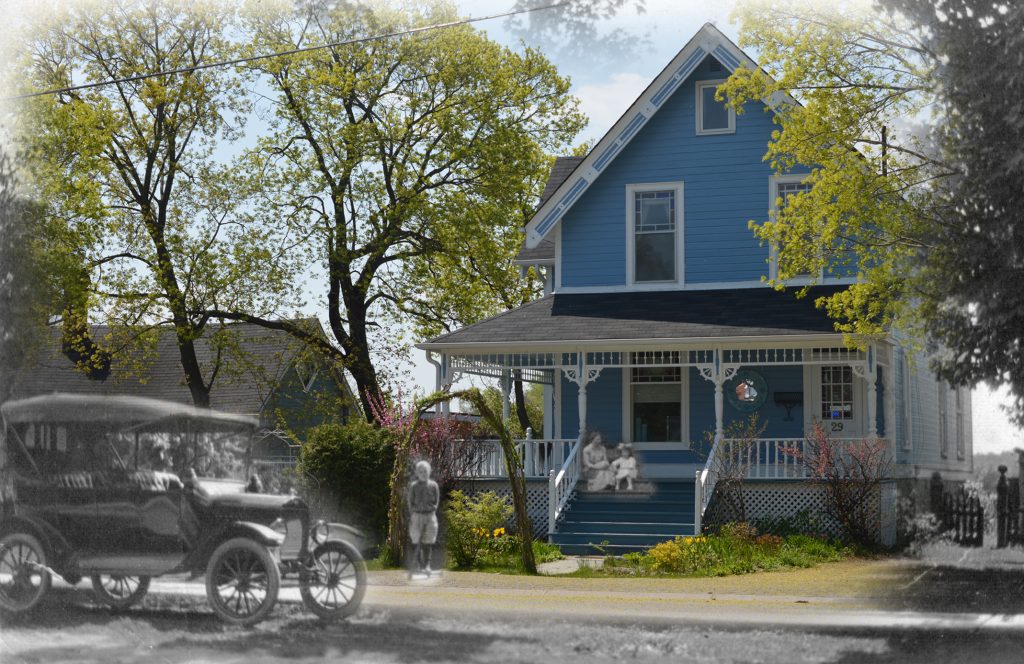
(672, 374)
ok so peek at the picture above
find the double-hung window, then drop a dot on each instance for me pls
(782, 190)
(655, 233)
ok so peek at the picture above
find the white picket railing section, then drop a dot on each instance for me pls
(539, 458)
(561, 484)
(774, 458)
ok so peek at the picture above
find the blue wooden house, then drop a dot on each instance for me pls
(656, 326)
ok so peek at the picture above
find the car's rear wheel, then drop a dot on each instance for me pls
(24, 576)
(119, 591)
(334, 584)
(242, 581)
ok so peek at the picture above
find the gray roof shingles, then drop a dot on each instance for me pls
(560, 171)
(242, 385)
(746, 312)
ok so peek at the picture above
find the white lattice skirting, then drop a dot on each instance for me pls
(536, 499)
(787, 499)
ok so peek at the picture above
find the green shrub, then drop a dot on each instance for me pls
(543, 552)
(474, 525)
(346, 472)
(736, 549)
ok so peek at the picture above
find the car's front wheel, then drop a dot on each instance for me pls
(119, 591)
(242, 581)
(24, 576)
(334, 584)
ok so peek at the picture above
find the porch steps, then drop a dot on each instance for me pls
(619, 522)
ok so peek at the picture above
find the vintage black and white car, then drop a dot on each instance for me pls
(121, 489)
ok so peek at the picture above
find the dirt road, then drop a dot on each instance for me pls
(875, 611)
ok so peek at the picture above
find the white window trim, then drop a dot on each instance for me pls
(631, 191)
(773, 251)
(699, 105)
(684, 412)
(943, 417)
(852, 428)
(961, 442)
(908, 404)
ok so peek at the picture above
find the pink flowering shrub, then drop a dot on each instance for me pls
(851, 472)
(447, 443)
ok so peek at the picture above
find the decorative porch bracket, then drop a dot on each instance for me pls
(582, 375)
(718, 373)
(868, 370)
(444, 378)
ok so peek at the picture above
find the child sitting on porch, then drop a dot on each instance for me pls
(625, 467)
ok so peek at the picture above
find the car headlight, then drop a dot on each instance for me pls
(318, 533)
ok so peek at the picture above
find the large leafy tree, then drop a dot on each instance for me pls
(396, 156)
(129, 167)
(909, 119)
(977, 265)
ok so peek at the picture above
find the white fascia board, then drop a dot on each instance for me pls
(771, 341)
(708, 41)
(534, 261)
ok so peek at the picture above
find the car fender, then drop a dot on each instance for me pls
(345, 533)
(56, 546)
(261, 534)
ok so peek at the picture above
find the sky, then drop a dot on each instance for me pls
(607, 81)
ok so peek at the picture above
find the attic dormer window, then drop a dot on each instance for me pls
(713, 116)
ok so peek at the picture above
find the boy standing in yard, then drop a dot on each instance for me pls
(422, 498)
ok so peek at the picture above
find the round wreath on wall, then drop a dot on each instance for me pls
(746, 391)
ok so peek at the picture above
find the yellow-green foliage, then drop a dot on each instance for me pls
(852, 71)
(738, 548)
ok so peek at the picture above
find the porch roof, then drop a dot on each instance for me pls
(637, 316)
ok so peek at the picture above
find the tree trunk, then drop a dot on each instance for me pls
(199, 390)
(521, 413)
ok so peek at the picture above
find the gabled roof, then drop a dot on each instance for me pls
(708, 41)
(650, 316)
(245, 380)
(545, 251)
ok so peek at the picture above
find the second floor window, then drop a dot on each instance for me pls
(654, 227)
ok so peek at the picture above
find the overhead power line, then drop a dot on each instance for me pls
(305, 49)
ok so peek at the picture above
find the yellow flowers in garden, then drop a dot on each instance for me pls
(484, 533)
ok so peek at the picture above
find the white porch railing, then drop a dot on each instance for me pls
(768, 459)
(561, 484)
(539, 458)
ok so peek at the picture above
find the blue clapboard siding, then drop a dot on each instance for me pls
(779, 379)
(726, 184)
(604, 406)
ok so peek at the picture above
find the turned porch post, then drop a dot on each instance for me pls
(719, 403)
(506, 392)
(582, 396)
(871, 376)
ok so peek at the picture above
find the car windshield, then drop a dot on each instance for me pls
(68, 435)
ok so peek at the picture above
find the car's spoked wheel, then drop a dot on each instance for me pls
(24, 577)
(119, 591)
(242, 581)
(334, 585)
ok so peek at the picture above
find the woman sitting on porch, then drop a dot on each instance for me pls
(596, 468)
